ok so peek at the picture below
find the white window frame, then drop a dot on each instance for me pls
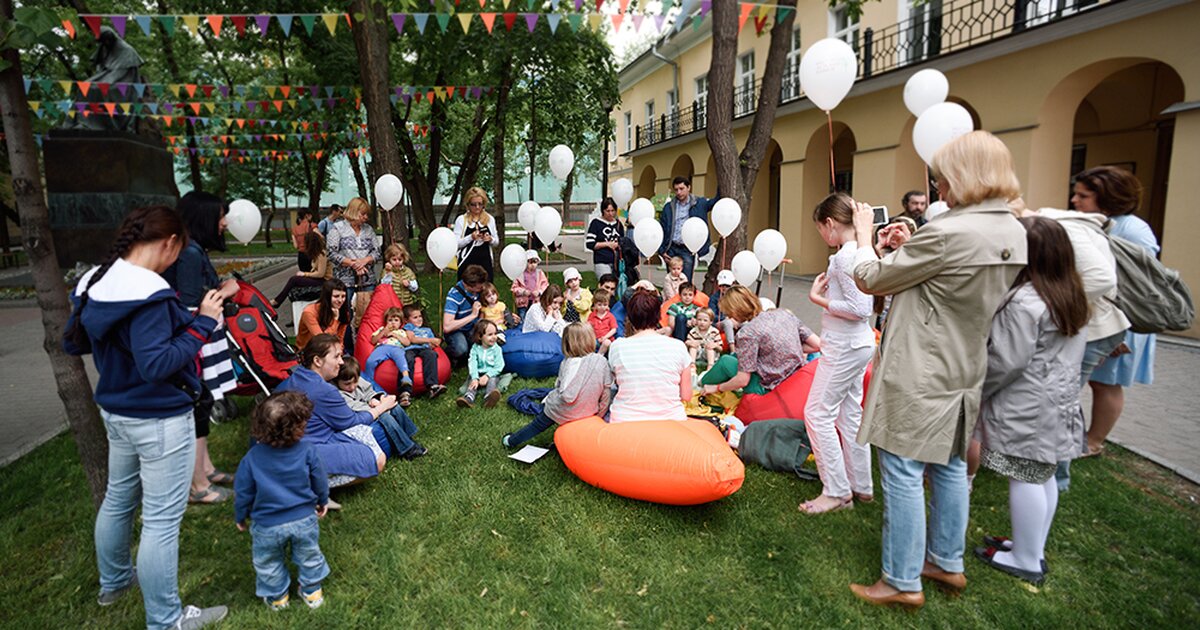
(848, 33)
(745, 82)
(628, 131)
(1042, 11)
(906, 10)
(791, 78)
(700, 113)
(649, 129)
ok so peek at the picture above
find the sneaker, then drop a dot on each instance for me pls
(491, 399)
(277, 603)
(193, 617)
(108, 598)
(466, 401)
(313, 599)
(333, 505)
(505, 440)
(416, 451)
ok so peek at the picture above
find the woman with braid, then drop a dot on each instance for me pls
(144, 343)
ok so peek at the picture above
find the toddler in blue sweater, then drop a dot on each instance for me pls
(278, 484)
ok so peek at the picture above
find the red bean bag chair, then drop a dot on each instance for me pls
(662, 461)
(787, 400)
(386, 375)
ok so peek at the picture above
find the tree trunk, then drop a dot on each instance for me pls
(371, 44)
(360, 182)
(177, 76)
(568, 190)
(736, 173)
(74, 389)
(498, 154)
(469, 167)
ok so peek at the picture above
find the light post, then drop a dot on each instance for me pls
(529, 146)
(607, 102)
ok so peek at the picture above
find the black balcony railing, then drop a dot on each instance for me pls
(941, 27)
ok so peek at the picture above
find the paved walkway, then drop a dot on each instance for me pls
(1161, 422)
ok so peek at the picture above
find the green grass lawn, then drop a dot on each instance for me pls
(468, 538)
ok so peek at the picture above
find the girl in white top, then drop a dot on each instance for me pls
(545, 315)
(834, 407)
(653, 372)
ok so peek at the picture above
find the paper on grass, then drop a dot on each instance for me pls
(529, 454)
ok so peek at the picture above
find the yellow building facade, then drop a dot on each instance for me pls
(1066, 84)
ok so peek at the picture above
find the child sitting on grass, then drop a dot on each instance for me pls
(361, 395)
(390, 340)
(583, 388)
(577, 300)
(484, 365)
(681, 316)
(704, 337)
(602, 321)
(400, 275)
(421, 344)
(495, 311)
(675, 279)
(282, 488)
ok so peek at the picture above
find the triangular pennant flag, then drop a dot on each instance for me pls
(398, 20)
(271, 91)
(121, 88)
(191, 89)
(69, 27)
(705, 7)
(215, 22)
(328, 90)
(175, 87)
(167, 121)
(285, 23)
(745, 14)
(576, 21)
(144, 22)
(406, 98)
(594, 22)
(103, 89)
(782, 12)
(489, 19)
(509, 20)
(93, 22)
(239, 23)
(278, 105)
(28, 84)
(578, 5)
(210, 107)
(168, 24)
(637, 21)
(309, 21)
(531, 20)
(529, 4)
(84, 86)
(111, 107)
(195, 107)
(482, 3)
(617, 18)
(443, 20)
(331, 21)
(659, 20)
(465, 20)
(422, 19)
(440, 92)
(35, 105)
(624, 5)
(118, 22)
(285, 90)
(761, 20)
(46, 84)
(263, 22)
(192, 23)
(152, 106)
(553, 20)
(450, 91)
(429, 96)
(241, 122)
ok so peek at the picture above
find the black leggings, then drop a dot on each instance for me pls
(296, 282)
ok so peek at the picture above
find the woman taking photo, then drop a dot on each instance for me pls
(144, 342)
(476, 233)
(947, 281)
(330, 314)
(771, 346)
(353, 251)
(653, 372)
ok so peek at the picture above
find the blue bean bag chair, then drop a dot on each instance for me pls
(532, 354)
(618, 311)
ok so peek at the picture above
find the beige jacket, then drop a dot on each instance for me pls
(947, 282)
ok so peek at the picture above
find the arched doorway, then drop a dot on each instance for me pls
(683, 167)
(1120, 123)
(645, 185)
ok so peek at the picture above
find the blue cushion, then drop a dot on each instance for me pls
(618, 311)
(532, 354)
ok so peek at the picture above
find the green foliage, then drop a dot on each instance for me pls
(30, 26)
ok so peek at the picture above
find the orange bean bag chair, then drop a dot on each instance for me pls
(667, 461)
(700, 300)
(787, 400)
(386, 375)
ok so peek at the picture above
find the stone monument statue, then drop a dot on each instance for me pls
(115, 61)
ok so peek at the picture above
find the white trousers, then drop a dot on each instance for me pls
(833, 413)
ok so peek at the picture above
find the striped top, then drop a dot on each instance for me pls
(648, 369)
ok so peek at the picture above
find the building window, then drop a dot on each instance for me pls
(672, 112)
(791, 73)
(651, 136)
(843, 26)
(1041, 11)
(701, 102)
(744, 101)
(920, 30)
(628, 131)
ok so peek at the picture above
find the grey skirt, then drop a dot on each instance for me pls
(1018, 468)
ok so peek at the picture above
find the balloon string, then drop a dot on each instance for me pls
(442, 326)
(926, 190)
(832, 177)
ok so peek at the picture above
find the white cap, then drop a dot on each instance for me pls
(571, 273)
(531, 254)
(725, 278)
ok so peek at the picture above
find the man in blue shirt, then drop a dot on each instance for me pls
(461, 312)
(335, 215)
(674, 214)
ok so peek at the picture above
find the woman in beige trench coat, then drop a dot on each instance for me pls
(923, 400)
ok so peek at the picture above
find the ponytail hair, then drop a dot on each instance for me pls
(202, 212)
(325, 313)
(143, 225)
(1051, 270)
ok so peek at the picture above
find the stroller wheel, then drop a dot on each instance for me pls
(231, 408)
(218, 414)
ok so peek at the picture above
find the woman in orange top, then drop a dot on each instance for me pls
(304, 225)
(329, 314)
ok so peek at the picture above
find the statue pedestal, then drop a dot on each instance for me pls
(93, 179)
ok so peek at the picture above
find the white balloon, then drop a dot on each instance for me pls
(622, 191)
(695, 233)
(766, 304)
(745, 267)
(827, 71)
(938, 125)
(527, 215)
(640, 208)
(924, 90)
(770, 247)
(243, 220)
(726, 215)
(648, 236)
(562, 160)
(512, 261)
(388, 191)
(441, 247)
(547, 225)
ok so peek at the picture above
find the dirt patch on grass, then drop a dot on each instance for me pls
(1152, 479)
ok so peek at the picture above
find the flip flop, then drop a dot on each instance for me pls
(220, 477)
(846, 504)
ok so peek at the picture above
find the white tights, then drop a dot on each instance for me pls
(1031, 508)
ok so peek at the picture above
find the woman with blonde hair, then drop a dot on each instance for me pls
(947, 280)
(354, 250)
(476, 232)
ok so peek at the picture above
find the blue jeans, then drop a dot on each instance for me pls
(384, 352)
(269, 551)
(906, 541)
(458, 346)
(150, 462)
(540, 423)
(679, 327)
(403, 442)
(689, 259)
(1094, 354)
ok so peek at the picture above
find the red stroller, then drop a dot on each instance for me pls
(260, 351)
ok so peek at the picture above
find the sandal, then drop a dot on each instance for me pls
(846, 504)
(987, 555)
(212, 496)
(864, 498)
(1089, 452)
(405, 399)
(220, 477)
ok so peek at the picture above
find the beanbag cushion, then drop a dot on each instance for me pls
(787, 400)
(700, 300)
(664, 461)
(386, 375)
(532, 354)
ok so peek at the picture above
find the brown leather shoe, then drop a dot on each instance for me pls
(909, 600)
(950, 582)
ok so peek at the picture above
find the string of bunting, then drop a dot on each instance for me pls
(52, 87)
(111, 109)
(243, 155)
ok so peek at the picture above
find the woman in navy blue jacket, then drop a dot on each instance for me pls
(144, 343)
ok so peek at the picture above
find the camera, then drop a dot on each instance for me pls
(881, 215)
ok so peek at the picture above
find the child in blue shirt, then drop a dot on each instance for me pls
(282, 488)
(421, 344)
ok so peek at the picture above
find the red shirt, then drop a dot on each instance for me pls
(601, 325)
